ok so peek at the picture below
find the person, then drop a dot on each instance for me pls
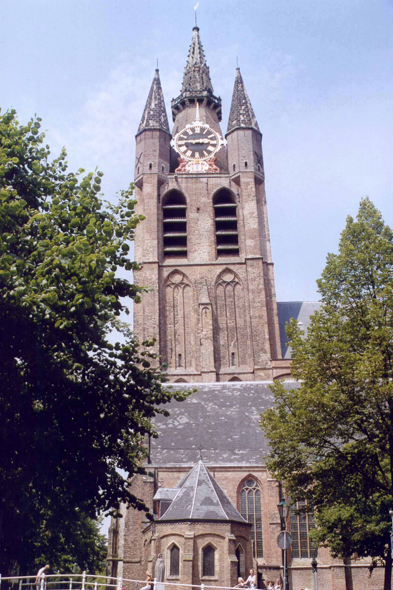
(278, 585)
(270, 586)
(40, 579)
(149, 584)
(251, 581)
(240, 583)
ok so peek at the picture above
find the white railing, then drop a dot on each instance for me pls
(86, 581)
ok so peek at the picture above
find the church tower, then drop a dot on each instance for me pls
(204, 245)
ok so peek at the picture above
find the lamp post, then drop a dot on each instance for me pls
(391, 533)
(283, 510)
(314, 565)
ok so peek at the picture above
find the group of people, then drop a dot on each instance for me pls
(251, 582)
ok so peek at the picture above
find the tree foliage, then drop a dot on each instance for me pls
(74, 408)
(332, 437)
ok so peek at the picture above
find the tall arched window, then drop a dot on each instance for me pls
(301, 524)
(241, 566)
(251, 510)
(174, 561)
(227, 238)
(174, 211)
(208, 558)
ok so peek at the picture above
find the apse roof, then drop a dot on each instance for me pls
(199, 497)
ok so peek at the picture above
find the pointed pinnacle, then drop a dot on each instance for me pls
(154, 115)
(241, 113)
(196, 73)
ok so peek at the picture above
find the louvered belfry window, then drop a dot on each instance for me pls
(174, 211)
(301, 524)
(251, 510)
(225, 215)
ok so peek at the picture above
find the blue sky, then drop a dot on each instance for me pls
(319, 75)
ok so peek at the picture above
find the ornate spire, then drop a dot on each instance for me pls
(196, 80)
(196, 73)
(241, 113)
(154, 116)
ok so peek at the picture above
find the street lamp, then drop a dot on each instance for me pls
(283, 510)
(391, 533)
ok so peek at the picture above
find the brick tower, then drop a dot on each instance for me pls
(205, 245)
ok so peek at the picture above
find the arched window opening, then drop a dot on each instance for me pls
(208, 556)
(235, 379)
(227, 237)
(180, 381)
(174, 561)
(175, 224)
(241, 569)
(251, 510)
(301, 524)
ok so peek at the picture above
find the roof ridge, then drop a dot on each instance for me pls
(195, 488)
(215, 491)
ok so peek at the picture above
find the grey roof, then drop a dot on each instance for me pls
(154, 116)
(201, 498)
(196, 77)
(165, 494)
(220, 418)
(241, 113)
(300, 311)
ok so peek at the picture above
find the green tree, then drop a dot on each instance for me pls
(332, 437)
(74, 408)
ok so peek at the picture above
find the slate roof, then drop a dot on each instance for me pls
(196, 77)
(241, 113)
(154, 115)
(220, 418)
(200, 498)
(301, 311)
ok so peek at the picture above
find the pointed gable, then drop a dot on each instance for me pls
(154, 116)
(241, 113)
(199, 497)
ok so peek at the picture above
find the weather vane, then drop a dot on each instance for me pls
(196, 8)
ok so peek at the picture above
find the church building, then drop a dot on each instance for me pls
(205, 255)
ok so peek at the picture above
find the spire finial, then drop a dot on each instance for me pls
(157, 63)
(237, 62)
(196, 14)
(200, 449)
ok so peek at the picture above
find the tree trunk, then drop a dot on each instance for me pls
(388, 570)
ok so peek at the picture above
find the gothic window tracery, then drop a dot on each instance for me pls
(225, 214)
(251, 510)
(179, 321)
(174, 215)
(232, 320)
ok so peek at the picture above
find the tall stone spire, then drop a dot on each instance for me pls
(154, 116)
(196, 73)
(197, 84)
(241, 113)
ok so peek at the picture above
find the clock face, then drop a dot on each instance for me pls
(197, 142)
